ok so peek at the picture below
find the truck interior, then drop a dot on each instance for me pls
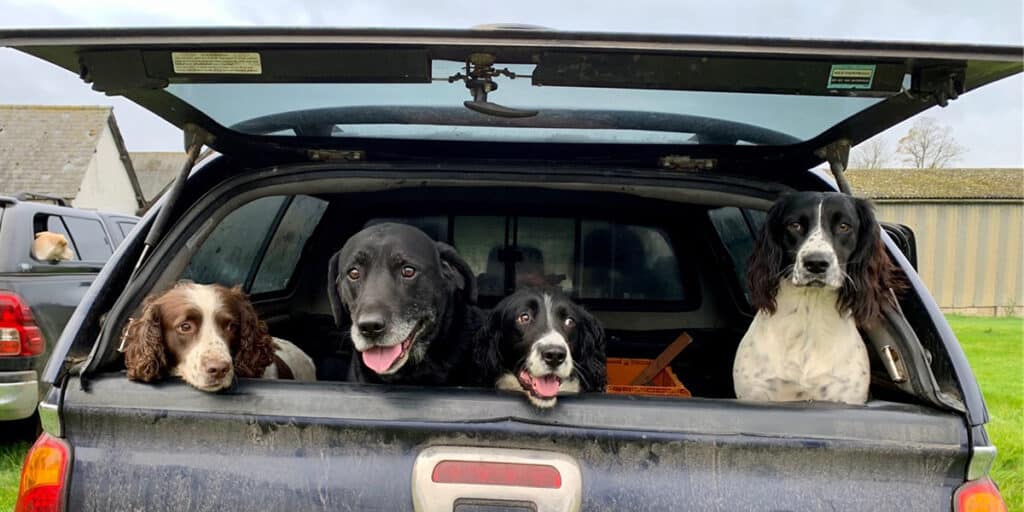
(651, 259)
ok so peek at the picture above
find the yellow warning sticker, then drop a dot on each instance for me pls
(216, 63)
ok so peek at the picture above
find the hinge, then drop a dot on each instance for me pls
(685, 163)
(322, 155)
(837, 154)
(941, 84)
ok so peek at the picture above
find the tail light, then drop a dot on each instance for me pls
(19, 334)
(44, 475)
(979, 495)
(497, 473)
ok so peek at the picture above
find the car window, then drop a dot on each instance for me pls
(738, 229)
(587, 259)
(627, 262)
(54, 224)
(285, 247)
(480, 241)
(90, 239)
(229, 253)
(546, 252)
(125, 227)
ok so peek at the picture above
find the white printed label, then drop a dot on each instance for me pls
(216, 63)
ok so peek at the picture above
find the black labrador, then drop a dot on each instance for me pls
(410, 303)
(538, 342)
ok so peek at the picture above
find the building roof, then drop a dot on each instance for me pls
(938, 184)
(47, 149)
(155, 170)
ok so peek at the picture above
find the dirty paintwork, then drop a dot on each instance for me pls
(360, 456)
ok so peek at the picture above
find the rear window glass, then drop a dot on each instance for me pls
(588, 259)
(125, 227)
(258, 245)
(90, 239)
(738, 229)
(285, 247)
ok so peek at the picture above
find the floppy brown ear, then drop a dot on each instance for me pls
(871, 273)
(457, 271)
(145, 355)
(256, 346)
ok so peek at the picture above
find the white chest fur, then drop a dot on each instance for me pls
(807, 350)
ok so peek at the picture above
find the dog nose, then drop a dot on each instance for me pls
(816, 262)
(371, 324)
(553, 356)
(217, 368)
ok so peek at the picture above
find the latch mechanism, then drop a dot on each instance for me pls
(479, 79)
(941, 83)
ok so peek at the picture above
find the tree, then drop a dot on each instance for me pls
(872, 154)
(929, 145)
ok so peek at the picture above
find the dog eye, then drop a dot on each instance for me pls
(569, 322)
(795, 226)
(185, 327)
(408, 272)
(232, 326)
(524, 318)
(844, 228)
(353, 274)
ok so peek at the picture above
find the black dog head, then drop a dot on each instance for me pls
(823, 239)
(397, 287)
(539, 342)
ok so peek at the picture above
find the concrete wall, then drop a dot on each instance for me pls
(105, 185)
(970, 253)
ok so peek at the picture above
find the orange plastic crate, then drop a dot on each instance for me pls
(621, 371)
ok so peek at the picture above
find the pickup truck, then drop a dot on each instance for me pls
(634, 169)
(37, 297)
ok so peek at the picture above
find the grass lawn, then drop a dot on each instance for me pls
(11, 457)
(995, 348)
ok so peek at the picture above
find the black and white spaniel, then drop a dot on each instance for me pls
(540, 343)
(819, 270)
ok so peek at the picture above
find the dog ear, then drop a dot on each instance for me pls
(145, 355)
(765, 266)
(487, 349)
(338, 309)
(256, 346)
(871, 273)
(590, 352)
(457, 271)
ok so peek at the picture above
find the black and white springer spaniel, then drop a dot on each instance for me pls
(819, 270)
(540, 343)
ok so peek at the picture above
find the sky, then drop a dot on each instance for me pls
(989, 122)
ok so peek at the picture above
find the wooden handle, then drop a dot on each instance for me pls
(664, 358)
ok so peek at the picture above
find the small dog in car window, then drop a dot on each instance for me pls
(540, 343)
(818, 271)
(52, 247)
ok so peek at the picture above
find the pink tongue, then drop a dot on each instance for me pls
(546, 386)
(379, 359)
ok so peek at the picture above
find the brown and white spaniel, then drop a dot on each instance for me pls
(207, 335)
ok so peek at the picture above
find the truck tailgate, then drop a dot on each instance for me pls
(333, 446)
